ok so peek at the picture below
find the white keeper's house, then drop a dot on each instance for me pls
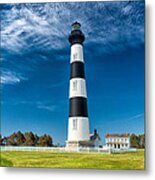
(117, 141)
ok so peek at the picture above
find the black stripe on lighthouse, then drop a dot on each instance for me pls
(77, 70)
(78, 107)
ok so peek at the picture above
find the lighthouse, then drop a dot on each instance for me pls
(78, 123)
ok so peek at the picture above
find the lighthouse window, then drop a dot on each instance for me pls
(74, 85)
(82, 88)
(74, 124)
(75, 56)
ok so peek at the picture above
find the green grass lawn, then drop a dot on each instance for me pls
(134, 160)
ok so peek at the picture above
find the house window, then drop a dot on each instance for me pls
(75, 85)
(74, 124)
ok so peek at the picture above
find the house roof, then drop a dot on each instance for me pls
(117, 135)
(94, 137)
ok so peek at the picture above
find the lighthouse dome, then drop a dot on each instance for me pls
(76, 35)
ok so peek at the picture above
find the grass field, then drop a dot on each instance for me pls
(73, 160)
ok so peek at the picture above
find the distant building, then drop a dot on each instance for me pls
(117, 141)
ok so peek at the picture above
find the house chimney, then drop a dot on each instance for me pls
(95, 131)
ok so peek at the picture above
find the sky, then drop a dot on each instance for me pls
(35, 66)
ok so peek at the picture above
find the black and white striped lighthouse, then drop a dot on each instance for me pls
(78, 124)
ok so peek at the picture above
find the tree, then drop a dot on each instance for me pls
(1, 140)
(137, 141)
(49, 140)
(5, 140)
(45, 140)
(12, 139)
(36, 141)
(142, 141)
(134, 141)
(30, 139)
(20, 138)
(26, 139)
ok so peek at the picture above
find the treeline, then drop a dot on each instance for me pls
(26, 139)
(137, 141)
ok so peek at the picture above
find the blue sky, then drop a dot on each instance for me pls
(35, 61)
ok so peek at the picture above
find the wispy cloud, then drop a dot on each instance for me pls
(47, 26)
(9, 77)
(44, 105)
(43, 29)
(59, 84)
(136, 116)
(47, 107)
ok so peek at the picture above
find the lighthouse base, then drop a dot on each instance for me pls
(75, 145)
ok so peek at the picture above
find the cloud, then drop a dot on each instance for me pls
(9, 77)
(46, 106)
(24, 28)
(56, 85)
(47, 25)
(31, 33)
(136, 116)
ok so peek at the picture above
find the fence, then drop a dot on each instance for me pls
(31, 148)
(52, 149)
(115, 151)
(64, 149)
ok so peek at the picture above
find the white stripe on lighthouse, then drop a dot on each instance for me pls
(76, 53)
(77, 88)
(78, 129)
